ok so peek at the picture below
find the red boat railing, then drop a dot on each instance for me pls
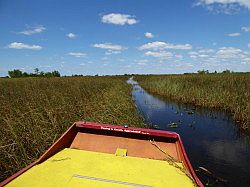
(66, 139)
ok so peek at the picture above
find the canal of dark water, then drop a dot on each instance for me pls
(211, 138)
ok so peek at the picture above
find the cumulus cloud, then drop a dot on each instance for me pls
(178, 56)
(193, 56)
(245, 29)
(119, 19)
(235, 34)
(141, 63)
(33, 30)
(160, 54)
(193, 53)
(224, 6)
(206, 51)
(77, 54)
(158, 49)
(246, 61)
(148, 35)
(111, 52)
(230, 52)
(71, 35)
(163, 45)
(221, 56)
(203, 55)
(19, 45)
(111, 48)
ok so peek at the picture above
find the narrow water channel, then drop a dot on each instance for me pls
(211, 138)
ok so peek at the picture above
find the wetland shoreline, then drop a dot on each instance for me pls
(229, 92)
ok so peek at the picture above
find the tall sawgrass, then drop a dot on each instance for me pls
(230, 92)
(34, 112)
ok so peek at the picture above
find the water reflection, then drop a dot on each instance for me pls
(211, 138)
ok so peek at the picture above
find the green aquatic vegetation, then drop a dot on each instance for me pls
(34, 112)
(190, 112)
(173, 125)
(156, 126)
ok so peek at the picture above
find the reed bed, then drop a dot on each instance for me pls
(34, 112)
(229, 92)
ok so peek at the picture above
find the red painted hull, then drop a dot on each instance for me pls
(106, 132)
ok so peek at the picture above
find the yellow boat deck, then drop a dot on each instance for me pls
(72, 168)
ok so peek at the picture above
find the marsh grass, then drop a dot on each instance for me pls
(229, 92)
(34, 112)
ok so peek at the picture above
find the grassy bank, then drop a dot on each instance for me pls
(230, 92)
(34, 112)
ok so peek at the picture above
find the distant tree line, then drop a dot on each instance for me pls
(207, 72)
(202, 72)
(16, 73)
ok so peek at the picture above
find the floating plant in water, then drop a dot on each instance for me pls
(173, 125)
(190, 112)
(156, 126)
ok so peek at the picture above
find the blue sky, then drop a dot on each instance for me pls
(116, 37)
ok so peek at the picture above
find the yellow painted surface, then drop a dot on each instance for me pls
(73, 168)
(121, 152)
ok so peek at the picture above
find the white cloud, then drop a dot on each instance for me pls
(33, 30)
(110, 46)
(119, 19)
(206, 51)
(246, 61)
(203, 55)
(224, 6)
(235, 34)
(111, 52)
(18, 45)
(178, 56)
(222, 58)
(245, 29)
(71, 35)
(193, 56)
(161, 54)
(193, 53)
(223, 54)
(248, 45)
(162, 45)
(148, 35)
(230, 52)
(141, 63)
(77, 55)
